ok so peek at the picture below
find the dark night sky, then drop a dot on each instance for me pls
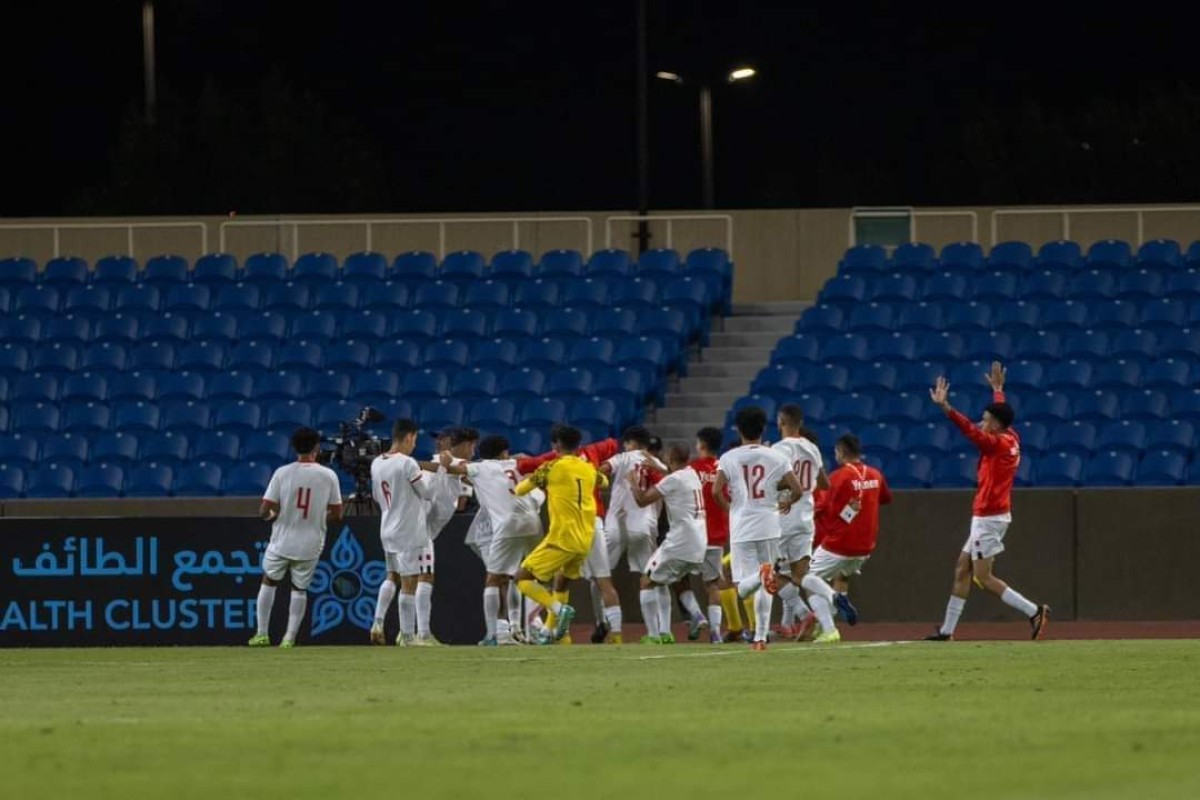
(519, 106)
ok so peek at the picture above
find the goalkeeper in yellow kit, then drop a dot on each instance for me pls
(570, 484)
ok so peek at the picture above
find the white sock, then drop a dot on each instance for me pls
(424, 600)
(820, 600)
(533, 617)
(749, 586)
(513, 599)
(1019, 602)
(296, 610)
(266, 601)
(954, 609)
(597, 600)
(714, 619)
(688, 598)
(789, 594)
(762, 615)
(491, 609)
(407, 609)
(818, 586)
(612, 615)
(387, 593)
(649, 601)
(664, 609)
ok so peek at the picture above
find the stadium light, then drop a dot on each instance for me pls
(741, 74)
(669, 76)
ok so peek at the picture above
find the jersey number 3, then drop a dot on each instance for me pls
(754, 478)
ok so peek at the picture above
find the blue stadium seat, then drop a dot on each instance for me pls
(446, 354)
(64, 271)
(214, 268)
(537, 295)
(893, 347)
(560, 264)
(1171, 434)
(367, 267)
(919, 377)
(660, 263)
(1121, 375)
(1085, 346)
(425, 384)
(882, 440)
(114, 447)
(70, 330)
(776, 380)
(266, 268)
(497, 354)
(37, 301)
(987, 346)
(1125, 435)
(1034, 436)
(34, 388)
(932, 439)
(695, 295)
(115, 271)
(939, 347)
(187, 298)
(645, 353)
(1059, 469)
(314, 268)
(120, 329)
(340, 298)
(67, 450)
(165, 270)
(1135, 344)
(1113, 255)
(1066, 376)
(89, 302)
(768, 404)
(1191, 259)
(595, 411)
(1097, 406)
(165, 329)
(1167, 373)
(323, 387)
(966, 317)
(879, 377)
(571, 383)
(136, 417)
(845, 348)
(1044, 285)
(414, 267)
(1162, 468)
(149, 480)
(1074, 437)
(1112, 315)
(273, 386)
(1162, 315)
(17, 271)
(565, 323)
(376, 388)
(542, 413)
(844, 291)
(50, 481)
(614, 322)
(139, 298)
(109, 357)
(219, 447)
(439, 413)
(57, 358)
(436, 296)
(1147, 405)
(204, 357)
(801, 349)
(241, 416)
(180, 387)
(14, 359)
(821, 319)
(623, 385)
(914, 257)
(347, 355)
(464, 325)
(851, 409)
(249, 480)
(996, 287)
(1061, 255)
(12, 482)
(638, 295)
(920, 317)
(541, 354)
(132, 387)
(1183, 286)
(165, 448)
(957, 470)
(21, 330)
(511, 265)
(610, 262)
(664, 323)
(1109, 469)
(81, 387)
(518, 325)
(414, 326)
(274, 448)
(824, 378)
(463, 266)
(287, 416)
(588, 294)
(519, 385)
(288, 298)
(197, 480)
(1093, 285)
(237, 297)
(226, 387)
(303, 356)
(1160, 254)
(891, 289)
(385, 298)
(365, 326)
(871, 317)
(961, 257)
(317, 327)
(1141, 285)
(1046, 407)
(486, 295)
(492, 413)
(909, 471)
(1180, 344)
(864, 259)
(525, 440)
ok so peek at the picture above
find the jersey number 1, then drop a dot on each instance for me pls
(304, 499)
(754, 478)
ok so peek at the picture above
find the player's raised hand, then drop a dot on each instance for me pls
(445, 459)
(996, 377)
(940, 393)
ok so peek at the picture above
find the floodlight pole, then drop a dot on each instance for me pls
(643, 136)
(148, 60)
(706, 144)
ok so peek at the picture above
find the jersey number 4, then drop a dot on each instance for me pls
(754, 478)
(304, 499)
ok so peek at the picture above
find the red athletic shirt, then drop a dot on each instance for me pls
(855, 538)
(999, 455)
(595, 454)
(715, 517)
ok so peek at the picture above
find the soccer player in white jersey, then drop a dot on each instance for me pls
(754, 473)
(301, 500)
(515, 523)
(796, 527)
(449, 494)
(682, 551)
(401, 488)
(631, 529)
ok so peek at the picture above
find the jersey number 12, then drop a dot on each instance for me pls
(754, 478)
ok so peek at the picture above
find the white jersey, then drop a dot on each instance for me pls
(401, 489)
(511, 516)
(805, 458)
(753, 472)
(683, 495)
(303, 490)
(445, 489)
(621, 505)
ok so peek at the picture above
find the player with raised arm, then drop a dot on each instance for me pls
(301, 500)
(716, 523)
(402, 490)
(682, 551)
(754, 473)
(999, 456)
(515, 523)
(796, 527)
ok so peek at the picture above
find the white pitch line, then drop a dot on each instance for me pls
(817, 649)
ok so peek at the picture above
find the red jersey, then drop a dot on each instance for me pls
(999, 456)
(818, 520)
(595, 454)
(855, 538)
(716, 518)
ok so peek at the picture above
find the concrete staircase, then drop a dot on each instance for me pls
(723, 371)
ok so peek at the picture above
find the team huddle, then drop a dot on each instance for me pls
(754, 523)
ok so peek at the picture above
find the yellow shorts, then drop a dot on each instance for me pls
(547, 559)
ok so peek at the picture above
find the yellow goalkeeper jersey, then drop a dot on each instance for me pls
(570, 485)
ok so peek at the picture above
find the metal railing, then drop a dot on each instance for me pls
(369, 226)
(1065, 214)
(130, 228)
(912, 215)
(670, 220)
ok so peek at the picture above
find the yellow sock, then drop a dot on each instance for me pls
(733, 616)
(748, 604)
(537, 593)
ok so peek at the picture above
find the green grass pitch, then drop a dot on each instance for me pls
(1099, 719)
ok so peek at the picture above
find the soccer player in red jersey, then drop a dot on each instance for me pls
(999, 456)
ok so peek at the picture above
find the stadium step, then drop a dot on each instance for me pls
(723, 369)
(778, 325)
(758, 339)
(790, 310)
(758, 356)
(690, 417)
(721, 400)
(692, 385)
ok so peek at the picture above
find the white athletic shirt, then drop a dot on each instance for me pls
(401, 489)
(445, 490)
(752, 472)
(511, 516)
(805, 458)
(303, 490)
(621, 505)
(683, 495)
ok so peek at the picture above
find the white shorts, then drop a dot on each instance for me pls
(275, 567)
(667, 565)
(506, 555)
(795, 547)
(411, 560)
(479, 535)
(710, 568)
(597, 565)
(746, 557)
(637, 546)
(827, 566)
(987, 536)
